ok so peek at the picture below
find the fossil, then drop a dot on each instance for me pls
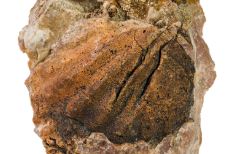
(117, 76)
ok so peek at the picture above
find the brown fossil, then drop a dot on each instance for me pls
(117, 76)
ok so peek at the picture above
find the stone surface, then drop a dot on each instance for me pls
(117, 76)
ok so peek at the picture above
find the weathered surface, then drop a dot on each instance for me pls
(117, 76)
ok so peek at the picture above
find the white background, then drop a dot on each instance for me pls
(16, 127)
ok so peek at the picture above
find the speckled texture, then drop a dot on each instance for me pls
(119, 76)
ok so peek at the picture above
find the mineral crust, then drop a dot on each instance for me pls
(117, 76)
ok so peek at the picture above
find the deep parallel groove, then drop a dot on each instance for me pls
(148, 80)
(139, 62)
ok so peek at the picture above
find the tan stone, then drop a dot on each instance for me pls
(117, 76)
